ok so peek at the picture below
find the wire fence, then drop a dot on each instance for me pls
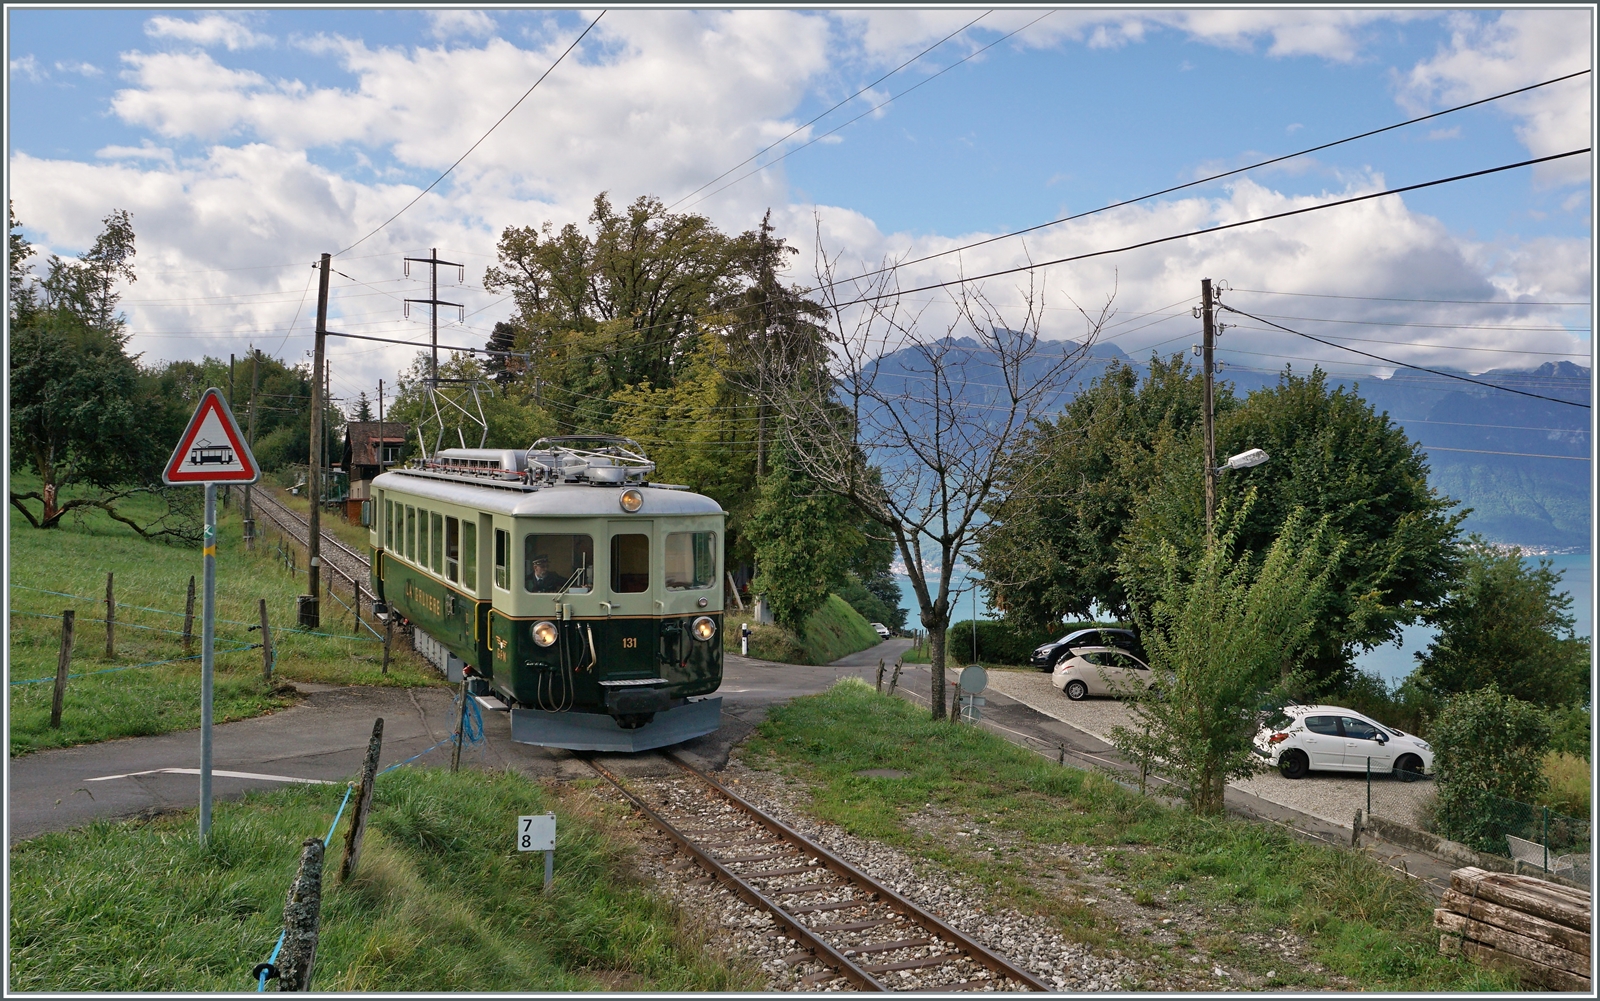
(1532, 837)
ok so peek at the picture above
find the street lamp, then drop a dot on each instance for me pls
(1244, 460)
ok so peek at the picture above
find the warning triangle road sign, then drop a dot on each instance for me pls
(212, 450)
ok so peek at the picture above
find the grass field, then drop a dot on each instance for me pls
(66, 567)
(441, 901)
(1248, 879)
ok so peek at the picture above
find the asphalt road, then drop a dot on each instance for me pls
(324, 738)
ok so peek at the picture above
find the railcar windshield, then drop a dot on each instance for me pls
(630, 564)
(691, 560)
(554, 562)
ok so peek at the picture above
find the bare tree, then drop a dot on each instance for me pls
(915, 425)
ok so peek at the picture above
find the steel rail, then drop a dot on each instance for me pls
(975, 950)
(291, 522)
(746, 891)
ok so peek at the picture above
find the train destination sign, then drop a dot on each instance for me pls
(212, 449)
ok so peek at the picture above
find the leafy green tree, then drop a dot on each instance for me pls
(1489, 752)
(1332, 457)
(803, 537)
(616, 306)
(1223, 634)
(21, 300)
(1071, 486)
(1507, 624)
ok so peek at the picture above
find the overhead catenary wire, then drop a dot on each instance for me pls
(502, 118)
(1226, 173)
(1402, 364)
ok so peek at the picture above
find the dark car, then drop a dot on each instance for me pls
(1045, 657)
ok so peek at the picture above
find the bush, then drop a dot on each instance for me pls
(1570, 731)
(1489, 753)
(868, 605)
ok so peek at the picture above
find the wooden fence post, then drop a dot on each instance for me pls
(356, 607)
(188, 620)
(63, 664)
(266, 644)
(358, 824)
(894, 679)
(388, 638)
(461, 724)
(111, 622)
(301, 912)
(880, 674)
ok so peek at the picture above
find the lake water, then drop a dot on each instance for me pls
(1577, 577)
(1388, 662)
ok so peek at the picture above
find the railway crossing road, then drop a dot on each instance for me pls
(325, 737)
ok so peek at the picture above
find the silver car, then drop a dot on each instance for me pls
(1100, 670)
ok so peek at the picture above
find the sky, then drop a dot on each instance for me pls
(246, 143)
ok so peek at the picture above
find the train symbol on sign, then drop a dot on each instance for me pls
(204, 454)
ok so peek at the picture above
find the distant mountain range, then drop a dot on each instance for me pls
(1515, 461)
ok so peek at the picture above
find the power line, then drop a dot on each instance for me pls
(1226, 173)
(1200, 232)
(903, 93)
(1498, 427)
(1549, 328)
(486, 135)
(1552, 382)
(1446, 347)
(1402, 364)
(1383, 298)
(830, 111)
(1526, 455)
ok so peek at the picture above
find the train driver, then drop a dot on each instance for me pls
(540, 579)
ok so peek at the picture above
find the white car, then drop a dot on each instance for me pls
(881, 629)
(1100, 670)
(1335, 739)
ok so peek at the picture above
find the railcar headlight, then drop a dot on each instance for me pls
(704, 628)
(544, 633)
(631, 500)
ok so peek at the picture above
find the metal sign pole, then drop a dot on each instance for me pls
(208, 629)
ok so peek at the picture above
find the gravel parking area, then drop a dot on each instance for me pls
(1327, 796)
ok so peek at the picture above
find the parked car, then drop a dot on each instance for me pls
(1100, 670)
(881, 629)
(1335, 739)
(1046, 657)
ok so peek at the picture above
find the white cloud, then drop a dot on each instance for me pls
(663, 101)
(144, 151)
(29, 67)
(1519, 47)
(450, 23)
(212, 29)
(82, 69)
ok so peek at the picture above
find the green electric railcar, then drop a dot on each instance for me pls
(583, 597)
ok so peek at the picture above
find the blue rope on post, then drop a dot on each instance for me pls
(267, 969)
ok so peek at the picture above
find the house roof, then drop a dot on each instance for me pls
(361, 441)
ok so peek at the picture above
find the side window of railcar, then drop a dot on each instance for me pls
(691, 560)
(630, 564)
(411, 533)
(388, 525)
(452, 549)
(469, 555)
(436, 537)
(422, 537)
(553, 562)
(502, 559)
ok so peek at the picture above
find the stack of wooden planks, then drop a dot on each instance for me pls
(1538, 928)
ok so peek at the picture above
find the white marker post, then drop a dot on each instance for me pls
(538, 834)
(211, 451)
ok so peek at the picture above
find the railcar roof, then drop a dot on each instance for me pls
(577, 500)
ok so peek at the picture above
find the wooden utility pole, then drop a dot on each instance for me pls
(380, 441)
(309, 616)
(250, 438)
(1208, 309)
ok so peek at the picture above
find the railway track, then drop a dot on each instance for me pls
(854, 927)
(340, 560)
